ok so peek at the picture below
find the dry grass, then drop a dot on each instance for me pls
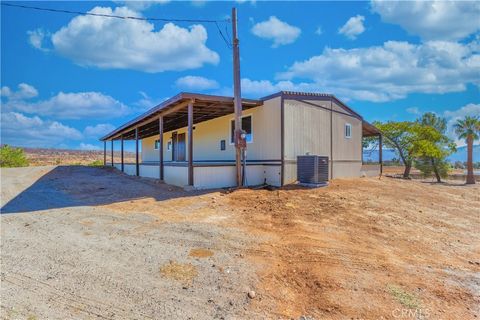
(183, 272)
(200, 253)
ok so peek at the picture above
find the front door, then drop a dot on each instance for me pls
(179, 147)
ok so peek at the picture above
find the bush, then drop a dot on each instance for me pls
(425, 166)
(96, 163)
(12, 157)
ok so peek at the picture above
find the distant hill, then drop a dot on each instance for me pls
(46, 156)
(460, 155)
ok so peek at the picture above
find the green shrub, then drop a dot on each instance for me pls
(425, 166)
(96, 163)
(12, 157)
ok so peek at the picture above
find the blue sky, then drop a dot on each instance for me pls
(67, 80)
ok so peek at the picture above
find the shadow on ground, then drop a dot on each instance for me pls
(69, 186)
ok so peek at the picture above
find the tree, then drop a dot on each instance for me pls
(12, 157)
(432, 146)
(430, 150)
(400, 137)
(468, 129)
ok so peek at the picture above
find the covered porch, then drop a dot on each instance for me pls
(185, 110)
(372, 168)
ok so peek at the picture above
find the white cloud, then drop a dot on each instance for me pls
(432, 20)
(25, 91)
(37, 37)
(64, 105)
(196, 83)
(260, 88)
(20, 130)
(199, 3)
(88, 146)
(141, 5)
(274, 29)
(470, 109)
(391, 71)
(147, 102)
(99, 130)
(413, 110)
(319, 31)
(252, 2)
(132, 44)
(353, 27)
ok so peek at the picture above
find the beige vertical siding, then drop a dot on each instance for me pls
(207, 136)
(339, 108)
(346, 169)
(290, 173)
(370, 170)
(307, 130)
(346, 148)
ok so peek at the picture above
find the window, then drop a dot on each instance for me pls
(246, 126)
(222, 145)
(169, 145)
(157, 144)
(348, 130)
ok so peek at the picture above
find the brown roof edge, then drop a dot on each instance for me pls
(311, 95)
(370, 129)
(179, 97)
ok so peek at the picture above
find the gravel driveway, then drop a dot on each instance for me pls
(71, 247)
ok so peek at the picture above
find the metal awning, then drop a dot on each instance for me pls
(369, 130)
(175, 114)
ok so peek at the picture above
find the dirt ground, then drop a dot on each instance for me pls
(83, 242)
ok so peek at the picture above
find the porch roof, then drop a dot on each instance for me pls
(369, 130)
(175, 114)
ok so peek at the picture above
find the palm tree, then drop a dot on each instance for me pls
(468, 129)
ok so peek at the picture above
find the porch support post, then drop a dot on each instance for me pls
(121, 152)
(160, 146)
(380, 152)
(190, 143)
(104, 152)
(137, 167)
(112, 152)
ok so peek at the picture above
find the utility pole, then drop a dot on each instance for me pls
(237, 98)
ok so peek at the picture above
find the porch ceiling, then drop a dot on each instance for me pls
(175, 114)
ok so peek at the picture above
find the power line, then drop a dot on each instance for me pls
(112, 15)
(228, 43)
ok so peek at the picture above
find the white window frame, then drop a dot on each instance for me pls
(347, 125)
(230, 129)
(169, 142)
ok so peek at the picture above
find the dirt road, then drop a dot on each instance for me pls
(81, 242)
(66, 255)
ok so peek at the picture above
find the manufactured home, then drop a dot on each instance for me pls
(188, 140)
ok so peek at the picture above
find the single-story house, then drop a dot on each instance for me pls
(188, 140)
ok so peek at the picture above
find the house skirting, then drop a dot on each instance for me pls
(208, 175)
